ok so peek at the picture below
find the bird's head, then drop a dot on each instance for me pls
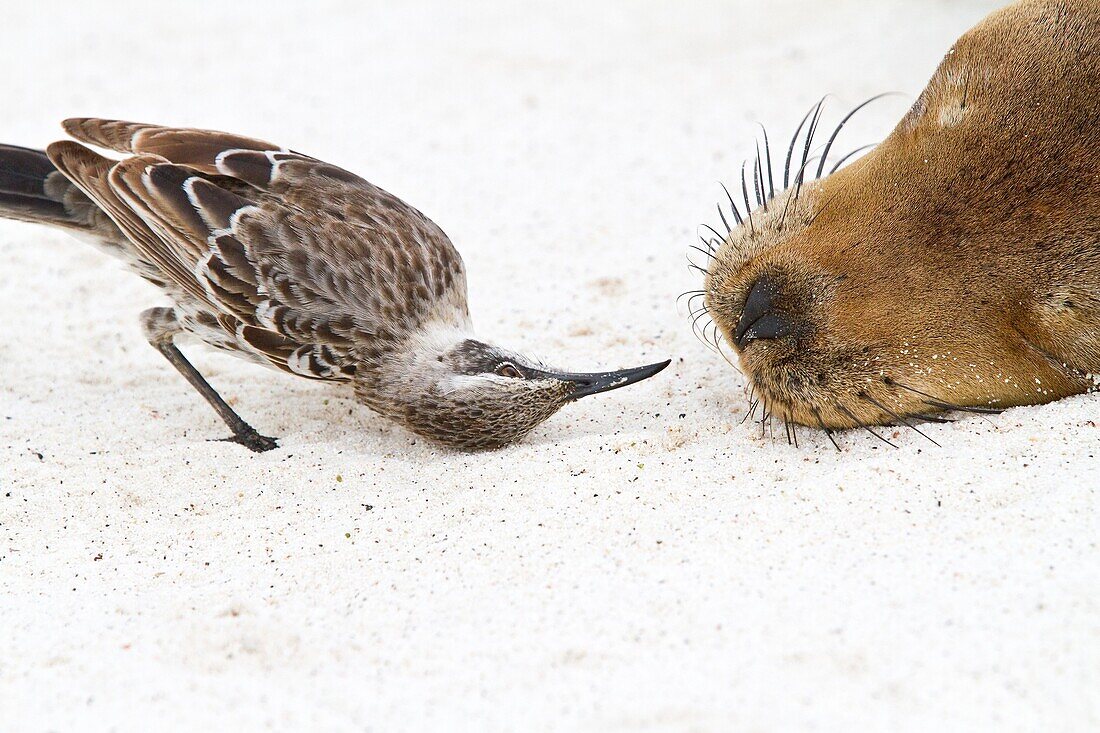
(474, 396)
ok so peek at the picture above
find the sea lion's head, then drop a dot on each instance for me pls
(957, 265)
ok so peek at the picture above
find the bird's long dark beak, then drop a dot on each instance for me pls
(588, 384)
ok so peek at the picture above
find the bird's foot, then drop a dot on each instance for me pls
(253, 441)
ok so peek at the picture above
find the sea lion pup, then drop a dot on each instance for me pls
(956, 266)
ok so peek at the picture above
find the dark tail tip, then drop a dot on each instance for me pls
(23, 171)
(31, 188)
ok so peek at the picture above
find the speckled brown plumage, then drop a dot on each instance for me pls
(295, 264)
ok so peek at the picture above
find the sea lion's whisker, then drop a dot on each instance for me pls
(868, 398)
(758, 180)
(828, 432)
(832, 138)
(963, 408)
(843, 160)
(786, 208)
(691, 296)
(708, 321)
(792, 196)
(756, 190)
(790, 148)
(708, 243)
(692, 311)
(791, 429)
(863, 425)
(819, 212)
(709, 339)
(733, 206)
(722, 352)
(943, 404)
(810, 139)
(715, 232)
(800, 176)
(705, 253)
(768, 155)
(976, 411)
(711, 325)
(715, 242)
(722, 216)
(745, 193)
(704, 342)
(932, 418)
(696, 316)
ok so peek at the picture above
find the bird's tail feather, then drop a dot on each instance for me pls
(32, 189)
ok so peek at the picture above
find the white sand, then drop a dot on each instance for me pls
(644, 561)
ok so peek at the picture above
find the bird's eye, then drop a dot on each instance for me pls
(509, 370)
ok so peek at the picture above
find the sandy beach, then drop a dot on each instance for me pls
(646, 560)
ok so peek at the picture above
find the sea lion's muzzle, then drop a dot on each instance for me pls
(875, 335)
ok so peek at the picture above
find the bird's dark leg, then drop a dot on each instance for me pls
(160, 328)
(243, 433)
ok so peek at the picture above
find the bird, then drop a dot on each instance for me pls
(295, 264)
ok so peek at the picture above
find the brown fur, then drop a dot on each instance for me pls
(956, 264)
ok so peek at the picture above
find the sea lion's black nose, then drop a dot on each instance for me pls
(759, 318)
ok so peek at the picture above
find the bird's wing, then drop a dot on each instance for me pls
(89, 172)
(285, 244)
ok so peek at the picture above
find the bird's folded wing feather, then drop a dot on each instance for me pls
(312, 262)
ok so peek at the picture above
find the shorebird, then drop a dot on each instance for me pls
(295, 264)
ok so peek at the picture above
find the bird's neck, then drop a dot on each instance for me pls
(410, 370)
